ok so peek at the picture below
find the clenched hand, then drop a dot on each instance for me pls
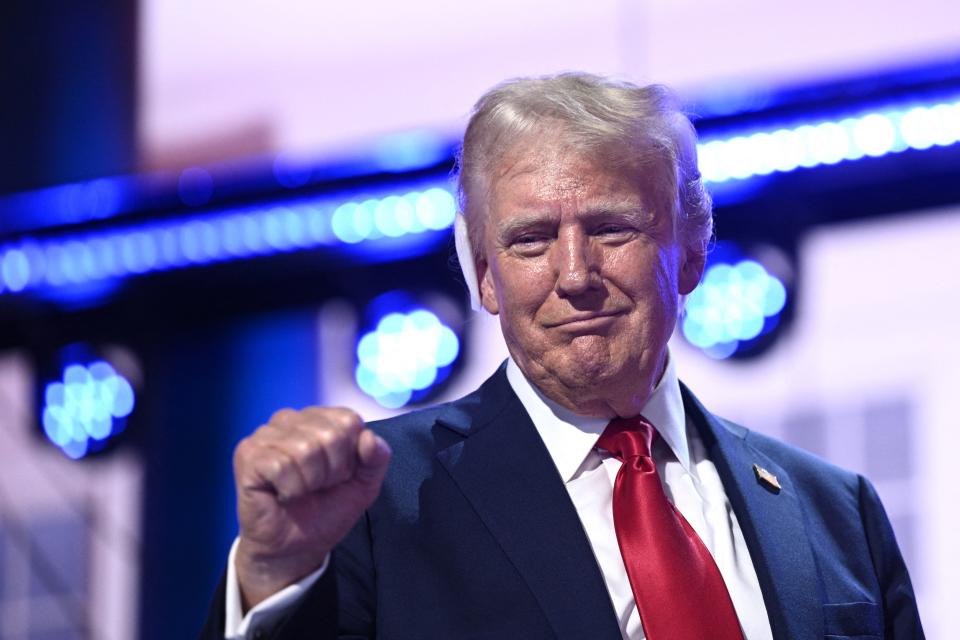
(303, 480)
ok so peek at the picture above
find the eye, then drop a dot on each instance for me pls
(611, 228)
(613, 231)
(530, 244)
(528, 238)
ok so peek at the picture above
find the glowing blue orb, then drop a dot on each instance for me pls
(14, 270)
(405, 354)
(874, 134)
(86, 407)
(733, 304)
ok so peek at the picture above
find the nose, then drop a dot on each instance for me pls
(576, 265)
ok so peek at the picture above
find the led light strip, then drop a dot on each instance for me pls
(284, 227)
(826, 142)
(222, 236)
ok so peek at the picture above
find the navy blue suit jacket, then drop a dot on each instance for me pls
(475, 536)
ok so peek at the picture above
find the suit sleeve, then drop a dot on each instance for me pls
(339, 606)
(901, 617)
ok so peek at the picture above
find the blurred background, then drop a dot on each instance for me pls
(211, 210)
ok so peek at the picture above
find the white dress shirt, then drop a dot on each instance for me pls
(690, 481)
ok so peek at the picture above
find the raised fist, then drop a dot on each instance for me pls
(303, 480)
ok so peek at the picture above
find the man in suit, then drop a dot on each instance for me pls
(582, 491)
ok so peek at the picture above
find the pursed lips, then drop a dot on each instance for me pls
(582, 318)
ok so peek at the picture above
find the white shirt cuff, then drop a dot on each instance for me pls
(237, 625)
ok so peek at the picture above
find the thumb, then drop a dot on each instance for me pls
(373, 457)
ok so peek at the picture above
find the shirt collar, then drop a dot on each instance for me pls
(570, 437)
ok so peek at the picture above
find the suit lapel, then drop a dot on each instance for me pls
(504, 470)
(772, 525)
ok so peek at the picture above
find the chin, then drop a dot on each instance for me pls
(586, 364)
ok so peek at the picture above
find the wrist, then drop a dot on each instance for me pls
(260, 575)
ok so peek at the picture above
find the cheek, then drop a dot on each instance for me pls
(523, 284)
(667, 276)
(650, 279)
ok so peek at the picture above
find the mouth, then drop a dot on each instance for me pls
(585, 320)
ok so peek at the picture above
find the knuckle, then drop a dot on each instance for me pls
(319, 416)
(283, 416)
(326, 438)
(302, 448)
(248, 446)
(276, 466)
(243, 452)
(279, 473)
(348, 419)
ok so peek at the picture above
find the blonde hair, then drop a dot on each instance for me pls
(600, 118)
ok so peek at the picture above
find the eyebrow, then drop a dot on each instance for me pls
(596, 209)
(591, 209)
(614, 207)
(522, 221)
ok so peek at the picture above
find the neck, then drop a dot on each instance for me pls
(624, 395)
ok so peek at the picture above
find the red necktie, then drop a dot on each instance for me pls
(679, 591)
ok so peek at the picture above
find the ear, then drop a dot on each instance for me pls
(692, 262)
(488, 288)
(467, 262)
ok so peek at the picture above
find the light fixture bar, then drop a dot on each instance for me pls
(762, 151)
(232, 234)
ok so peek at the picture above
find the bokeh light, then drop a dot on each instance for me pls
(86, 407)
(733, 305)
(404, 356)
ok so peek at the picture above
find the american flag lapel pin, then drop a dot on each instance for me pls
(767, 479)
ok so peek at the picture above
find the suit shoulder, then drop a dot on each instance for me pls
(799, 463)
(447, 422)
(412, 424)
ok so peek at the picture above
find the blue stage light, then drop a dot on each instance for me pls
(275, 231)
(230, 229)
(789, 152)
(391, 215)
(14, 270)
(80, 255)
(86, 407)
(874, 134)
(920, 128)
(363, 223)
(168, 246)
(410, 150)
(734, 304)
(404, 356)
(829, 143)
(436, 208)
(231, 234)
(252, 239)
(746, 154)
(319, 231)
(948, 117)
(36, 262)
(190, 241)
(342, 223)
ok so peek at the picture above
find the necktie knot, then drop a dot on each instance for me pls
(627, 438)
